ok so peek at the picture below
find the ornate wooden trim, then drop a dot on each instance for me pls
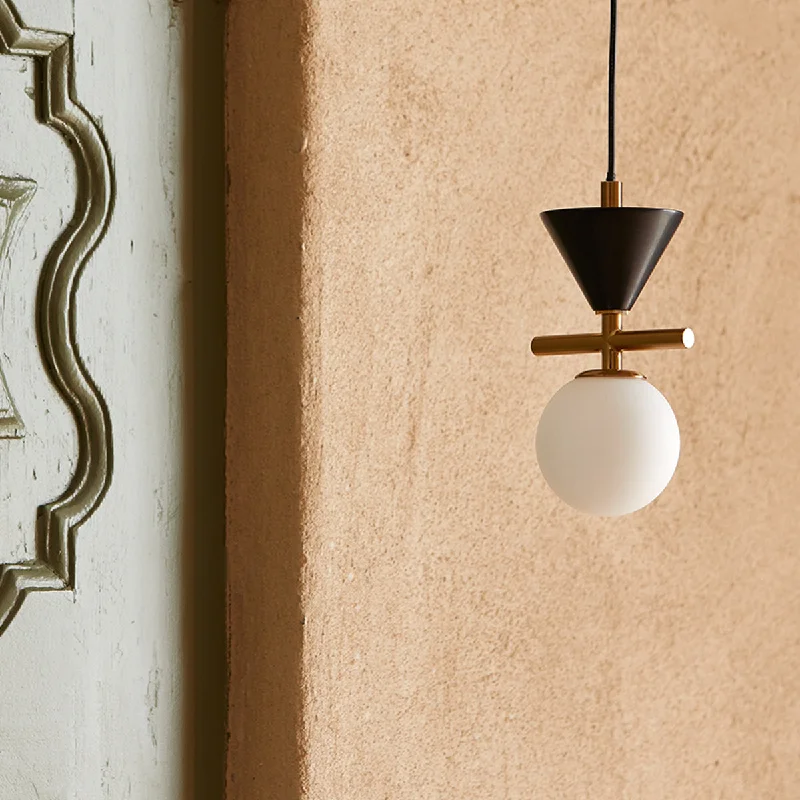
(54, 567)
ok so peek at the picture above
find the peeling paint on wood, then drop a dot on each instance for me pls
(57, 520)
(91, 683)
(52, 15)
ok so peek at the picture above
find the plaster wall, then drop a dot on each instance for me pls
(413, 615)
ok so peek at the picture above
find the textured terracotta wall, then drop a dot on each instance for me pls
(413, 615)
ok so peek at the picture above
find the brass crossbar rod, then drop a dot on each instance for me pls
(575, 344)
(570, 345)
(664, 339)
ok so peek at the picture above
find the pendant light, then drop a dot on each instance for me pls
(608, 442)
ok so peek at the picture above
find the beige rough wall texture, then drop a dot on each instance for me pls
(414, 616)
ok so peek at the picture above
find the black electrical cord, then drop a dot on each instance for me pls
(612, 88)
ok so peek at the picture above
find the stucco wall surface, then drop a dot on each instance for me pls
(414, 616)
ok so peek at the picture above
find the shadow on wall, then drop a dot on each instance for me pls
(264, 120)
(204, 601)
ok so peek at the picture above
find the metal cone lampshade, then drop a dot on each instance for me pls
(611, 251)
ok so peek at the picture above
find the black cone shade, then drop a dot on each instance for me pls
(612, 251)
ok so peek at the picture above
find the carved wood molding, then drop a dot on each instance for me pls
(53, 569)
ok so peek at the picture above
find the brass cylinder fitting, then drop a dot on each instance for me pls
(611, 194)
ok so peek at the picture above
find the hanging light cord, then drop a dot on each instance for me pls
(612, 90)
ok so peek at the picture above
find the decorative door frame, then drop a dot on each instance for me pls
(53, 568)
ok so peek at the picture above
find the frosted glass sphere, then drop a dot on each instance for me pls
(608, 445)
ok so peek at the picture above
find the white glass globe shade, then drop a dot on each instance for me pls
(608, 445)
